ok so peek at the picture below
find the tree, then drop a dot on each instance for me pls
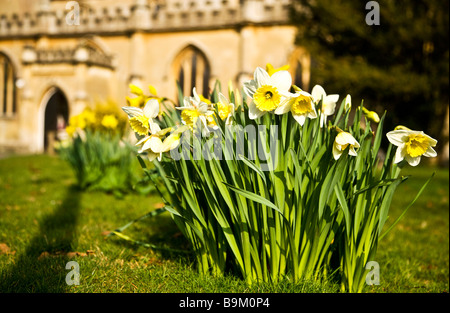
(400, 65)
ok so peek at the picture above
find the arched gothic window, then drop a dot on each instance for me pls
(191, 69)
(7, 87)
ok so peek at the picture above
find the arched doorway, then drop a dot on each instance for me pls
(56, 117)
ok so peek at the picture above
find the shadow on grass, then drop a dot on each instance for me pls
(41, 267)
(159, 234)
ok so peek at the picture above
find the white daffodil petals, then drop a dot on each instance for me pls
(282, 80)
(202, 108)
(344, 138)
(328, 107)
(253, 111)
(413, 161)
(431, 141)
(151, 108)
(300, 119)
(132, 111)
(337, 151)
(285, 106)
(154, 144)
(341, 142)
(250, 88)
(154, 128)
(323, 119)
(261, 77)
(142, 141)
(399, 154)
(332, 99)
(397, 137)
(186, 103)
(318, 93)
(352, 151)
(196, 96)
(171, 142)
(431, 153)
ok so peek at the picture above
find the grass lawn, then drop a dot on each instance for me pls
(45, 222)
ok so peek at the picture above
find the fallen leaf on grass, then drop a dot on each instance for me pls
(4, 249)
(47, 254)
(105, 233)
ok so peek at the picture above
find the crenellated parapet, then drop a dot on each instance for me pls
(147, 16)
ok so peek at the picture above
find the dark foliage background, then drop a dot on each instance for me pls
(401, 65)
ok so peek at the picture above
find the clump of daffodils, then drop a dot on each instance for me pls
(96, 151)
(103, 118)
(299, 186)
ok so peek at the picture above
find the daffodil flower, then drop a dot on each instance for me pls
(301, 106)
(411, 145)
(155, 144)
(266, 92)
(140, 98)
(141, 120)
(109, 121)
(194, 109)
(226, 111)
(341, 142)
(328, 103)
(70, 130)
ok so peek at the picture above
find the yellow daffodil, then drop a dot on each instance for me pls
(155, 144)
(70, 130)
(89, 116)
(141, 120)
(411, 145)
(328, 103)
(341, 142)
(77, 121)
(301, 106)
(82, 120)
(140, 99)
(109, 121)
(226, 111)
(266, 92)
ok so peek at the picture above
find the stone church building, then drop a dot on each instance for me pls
(57, 57)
